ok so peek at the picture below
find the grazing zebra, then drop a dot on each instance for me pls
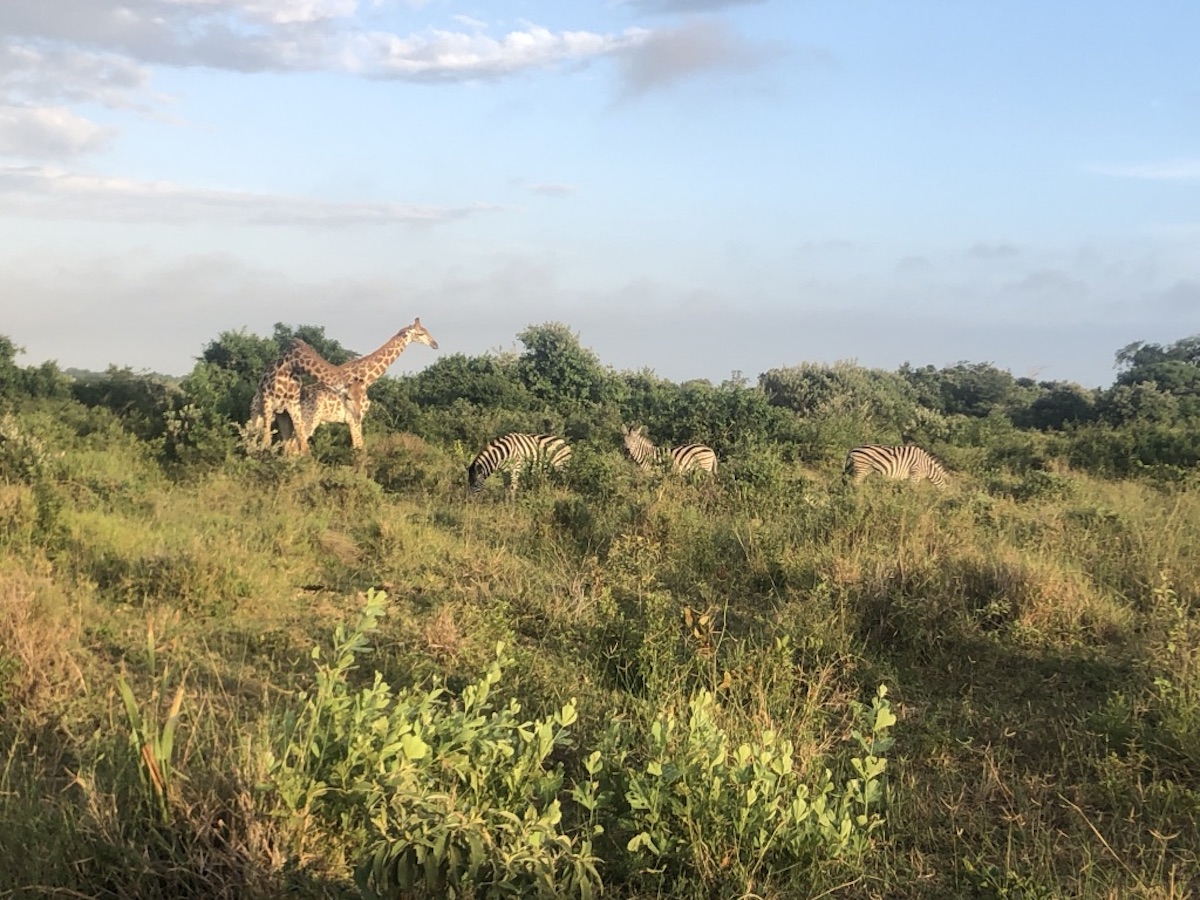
(514, 452)
(685, 458)
(899, 463)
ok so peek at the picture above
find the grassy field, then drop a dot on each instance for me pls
(619, 683)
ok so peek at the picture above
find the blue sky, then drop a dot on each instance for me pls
(694, 186)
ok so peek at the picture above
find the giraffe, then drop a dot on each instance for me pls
(279, 390)
(321, 404)
(364, 372)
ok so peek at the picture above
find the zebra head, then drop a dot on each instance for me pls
(638, 446)
(477, 473)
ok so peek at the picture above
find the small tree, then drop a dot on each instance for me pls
(557, 369)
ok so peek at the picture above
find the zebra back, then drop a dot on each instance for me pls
(900, 463)
(514, 452)
(693, 457)
(684, 458)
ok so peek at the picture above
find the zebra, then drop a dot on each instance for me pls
(684, 458)
(514, 452)
(907, 462)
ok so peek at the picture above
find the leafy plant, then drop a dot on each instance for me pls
(153, 740)
(700, 806)
(435, 797)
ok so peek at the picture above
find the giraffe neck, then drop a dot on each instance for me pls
(304, 357)
(368, 369)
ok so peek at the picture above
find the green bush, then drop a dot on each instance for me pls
(435, 796)
(734, 816)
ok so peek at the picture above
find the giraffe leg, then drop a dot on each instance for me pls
(298, 430)
(356, 441)
(268, 419)
(287, 435)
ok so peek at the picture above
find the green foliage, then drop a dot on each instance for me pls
(698, 805)
(1166, 714)
(440, 798)
(10, 375)
(25, 459)
(597, 474)
(1037, 622)
(44, 381)
(1125, 452)
(314, 336)
(403, 463)
(557, 369)
(1136, 358)
(727, 418)
(152, 743)
(490, 380)
(845, 405)
(1060, 405)
(992, 882)
(23, 456)
(140, 401)
(968, 389)
(176, 576)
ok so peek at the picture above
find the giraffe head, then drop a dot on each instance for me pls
(416, 332)
(356, 398)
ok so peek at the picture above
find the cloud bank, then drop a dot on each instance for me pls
(43, 192)
(58, 55)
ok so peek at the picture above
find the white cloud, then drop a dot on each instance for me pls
(38, 86)
(43, 192)
(447, 55)
(48, 132)
(58, 54)
(469, 22)
(666, 56)
(1050, 282)
(551, 189)
(41, 74)
(688, 6)
(294, 35)
(285, 12)
(1169, 170)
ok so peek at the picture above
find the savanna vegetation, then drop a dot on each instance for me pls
(239, 675)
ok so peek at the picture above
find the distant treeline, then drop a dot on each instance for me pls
(975, 414)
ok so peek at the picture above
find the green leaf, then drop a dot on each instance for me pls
(414, 748)
(884, 718)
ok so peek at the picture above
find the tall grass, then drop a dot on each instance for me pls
(1036, 631)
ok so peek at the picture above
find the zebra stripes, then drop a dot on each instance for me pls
(685, 458)
(908, 462)
(514, 452)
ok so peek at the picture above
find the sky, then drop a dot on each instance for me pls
(704, 188)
